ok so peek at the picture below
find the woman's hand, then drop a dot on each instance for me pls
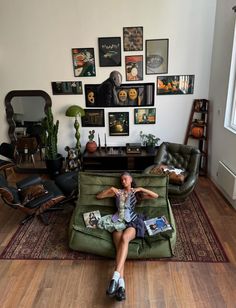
(146, 192)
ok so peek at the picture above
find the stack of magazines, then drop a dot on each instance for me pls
(157, 225)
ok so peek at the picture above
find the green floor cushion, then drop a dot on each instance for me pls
(98, 241)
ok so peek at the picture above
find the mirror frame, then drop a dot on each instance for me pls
(10, 111)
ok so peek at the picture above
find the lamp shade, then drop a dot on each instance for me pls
(74, 111)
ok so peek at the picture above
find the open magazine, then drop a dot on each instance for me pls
(157, 225)
(92, 218)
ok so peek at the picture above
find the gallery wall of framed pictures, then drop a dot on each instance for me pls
(136, 94)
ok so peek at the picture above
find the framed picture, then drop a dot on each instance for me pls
(66, 87)
(157, 56)
(172, 85)
(133, 38)
(83, 62)
(134, 68)
(93, 118)
(144, 115)
(127, 95)
(109, 51)
(118, 123)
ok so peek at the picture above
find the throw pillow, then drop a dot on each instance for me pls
(32, 192)
(174, 177)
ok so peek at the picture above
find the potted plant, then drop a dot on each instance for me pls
(150, 141)
(91, 145)
(53, 160)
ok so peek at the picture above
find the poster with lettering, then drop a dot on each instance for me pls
(109, 51)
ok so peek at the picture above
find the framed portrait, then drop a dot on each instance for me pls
(93, 118)
(172, 85)
(118, 123)
(134, 68)
(157, 56)
(144, 115)
(66, 87)
(109, 51)
(133, 38)
(127, 95)
(83, 62)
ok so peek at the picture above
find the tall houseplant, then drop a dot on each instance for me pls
(50, 132)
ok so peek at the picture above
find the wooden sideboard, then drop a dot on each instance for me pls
(116, 159)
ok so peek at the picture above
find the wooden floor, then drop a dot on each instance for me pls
(159, 284)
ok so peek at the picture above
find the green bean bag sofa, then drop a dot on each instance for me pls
(98, 241)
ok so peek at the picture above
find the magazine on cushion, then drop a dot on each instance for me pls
(92, 218)
(157, 225)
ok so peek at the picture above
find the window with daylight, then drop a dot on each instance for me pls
(230, 112)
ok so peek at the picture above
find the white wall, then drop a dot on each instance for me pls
(223, 142)
(36, 42)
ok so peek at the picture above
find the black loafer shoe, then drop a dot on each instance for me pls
(120, 294)
(111, 291)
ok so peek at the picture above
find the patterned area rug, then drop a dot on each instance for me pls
(196, 238)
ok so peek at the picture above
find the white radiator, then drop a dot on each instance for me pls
(227, 180)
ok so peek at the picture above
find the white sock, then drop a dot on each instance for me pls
(122, 283)
(116, 276)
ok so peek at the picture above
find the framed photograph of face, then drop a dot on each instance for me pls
(133, 38)
(144, 115)
(127, 95)
(157, 56)
(83, 62)
(118, 123)
(109, 51)
(173, 85)
(66, 87)
(93, 118)
(134, 68)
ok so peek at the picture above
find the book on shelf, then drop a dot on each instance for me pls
(92, 218)
(157, 225)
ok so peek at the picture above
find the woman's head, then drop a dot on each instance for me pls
(126, 179)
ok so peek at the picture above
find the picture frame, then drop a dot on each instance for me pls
(134, 67)
(133, 38)
(66, 87)
(93, 118)
(118, 123)
(83, 62)
(127, 95)
(144, 115)
(176, 84)
(156, 53)
(109, 51)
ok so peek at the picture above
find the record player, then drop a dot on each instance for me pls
(133, 148)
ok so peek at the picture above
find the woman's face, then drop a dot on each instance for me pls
(126, 180)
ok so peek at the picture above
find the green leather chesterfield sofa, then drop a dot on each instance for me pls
(97, 241)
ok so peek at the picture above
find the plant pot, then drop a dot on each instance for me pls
(150, 149)
(54, 166)
(91, 146)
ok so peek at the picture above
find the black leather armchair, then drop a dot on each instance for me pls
(182, 157)
(33, 196)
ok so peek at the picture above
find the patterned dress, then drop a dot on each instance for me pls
(125, 216)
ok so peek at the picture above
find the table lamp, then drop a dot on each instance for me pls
(75, 111)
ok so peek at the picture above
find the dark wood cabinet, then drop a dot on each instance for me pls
(116, 159)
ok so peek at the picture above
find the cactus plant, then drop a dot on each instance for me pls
(50, 131)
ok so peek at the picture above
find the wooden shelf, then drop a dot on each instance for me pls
(199, 111)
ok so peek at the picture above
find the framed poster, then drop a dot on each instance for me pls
(134, 68)
(118, 123)
(157, 56)
(144, 115)
(133, 38)
(172, 85)
(83, 62)
(109, 51)
(93, 118)
(127, 95)
(66, 87)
